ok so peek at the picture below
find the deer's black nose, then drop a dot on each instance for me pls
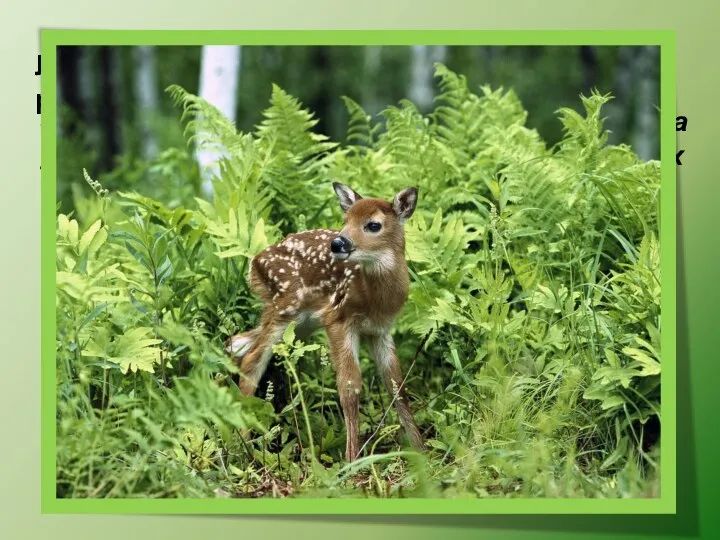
(341, 245)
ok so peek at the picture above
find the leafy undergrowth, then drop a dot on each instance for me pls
(535, 273)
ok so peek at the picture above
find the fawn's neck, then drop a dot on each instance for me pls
(386, 282)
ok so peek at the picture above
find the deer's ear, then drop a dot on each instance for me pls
(404, 203)
(346, 195)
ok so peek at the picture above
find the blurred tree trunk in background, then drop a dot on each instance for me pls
(589, 61)
(645, 134)
(321, 103)
(88, 95)
(618, 110)
(68, 84)
(146, 96)
(219, 76)
(632, 116)
(488, 55)
(372, 62)
(422, 90)
(109, 106)
(58, 98)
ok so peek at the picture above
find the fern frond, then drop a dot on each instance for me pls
(361, 132)
(206, 126)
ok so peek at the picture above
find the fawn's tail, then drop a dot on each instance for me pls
(238, 345)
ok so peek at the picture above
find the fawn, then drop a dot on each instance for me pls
(353, 283)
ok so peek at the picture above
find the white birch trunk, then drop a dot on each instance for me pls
(219, 76)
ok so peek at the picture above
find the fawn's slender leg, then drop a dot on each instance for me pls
(254, 362)
(382, 348)
(344, 344)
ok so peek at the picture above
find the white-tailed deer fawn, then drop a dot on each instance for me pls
(353, 283)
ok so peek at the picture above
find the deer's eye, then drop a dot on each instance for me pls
(373, 226)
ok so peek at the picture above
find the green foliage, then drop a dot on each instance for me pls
(536, 268)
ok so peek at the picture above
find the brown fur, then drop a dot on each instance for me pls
(353, 300)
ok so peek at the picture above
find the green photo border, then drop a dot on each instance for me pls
(666, 504)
